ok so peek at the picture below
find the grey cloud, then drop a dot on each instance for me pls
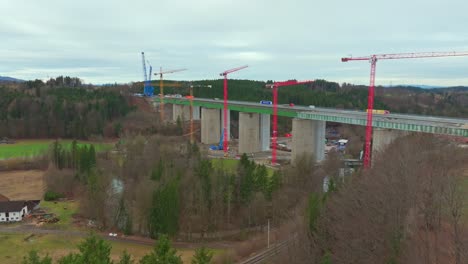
(102, 40)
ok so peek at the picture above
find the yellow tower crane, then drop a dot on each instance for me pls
(161, 85)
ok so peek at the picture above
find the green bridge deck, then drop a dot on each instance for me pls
(438, 125)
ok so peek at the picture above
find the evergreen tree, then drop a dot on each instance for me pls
(95, 250)
(164, 213)
(74, 154)
(204, 171)
(202, 256)
(157, 172)
(273, 184)
(125, 258)
(92, 157)
(33, 258)
(84, 161)
(246, 174)
(71, 259)
(163, 253)
(261, 179)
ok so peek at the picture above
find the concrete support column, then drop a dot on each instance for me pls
(210, 126)
(308, 138)
(381, 138)
(196, 113)
(249, 132)
(264, 132)
(181, 111)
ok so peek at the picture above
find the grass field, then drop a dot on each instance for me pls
(14, 246)
(230, 165)
(22, 185)
(31, 148)
(63, 210)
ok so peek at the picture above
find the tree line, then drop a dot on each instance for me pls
(97, 251)
(59, 108)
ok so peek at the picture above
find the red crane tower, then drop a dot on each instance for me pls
(161, 86)
(225, 124)
(370, 99)
(275, 113)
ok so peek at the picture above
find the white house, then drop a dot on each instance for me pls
(14, 211)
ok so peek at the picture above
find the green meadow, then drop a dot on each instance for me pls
(32, 148)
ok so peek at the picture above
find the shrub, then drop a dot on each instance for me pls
(52, 196)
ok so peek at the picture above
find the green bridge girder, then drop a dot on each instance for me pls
(330, 117)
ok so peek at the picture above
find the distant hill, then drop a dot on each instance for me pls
(9, 79)
(452, 89)
(429, 88)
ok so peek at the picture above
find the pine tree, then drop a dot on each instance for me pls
(164, 213)
(92, 157)
(163, 253)
(202, 256)
(125, 258)
(74, 155)
(33, 258)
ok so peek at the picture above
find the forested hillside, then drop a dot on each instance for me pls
(319, 93)
(62, 107)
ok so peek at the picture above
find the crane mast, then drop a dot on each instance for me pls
(225, 124)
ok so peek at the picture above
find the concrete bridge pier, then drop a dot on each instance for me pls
(249, 132)
(382, 137)
(196, 112)
(308, 138)
(264, 132)
(210, 126)
(180, 111)
(183, 111)
(254, 132)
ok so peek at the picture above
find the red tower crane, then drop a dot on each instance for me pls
(225, 124)
(370, 99)
(275, 113)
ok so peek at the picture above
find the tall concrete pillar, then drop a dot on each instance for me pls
(181, 111)
(228, 128)
(196, 113)
(210, 126)
(381, 138)
(264, 132)
(308, 138)
(249, 132)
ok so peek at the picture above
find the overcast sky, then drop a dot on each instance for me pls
(101, 41)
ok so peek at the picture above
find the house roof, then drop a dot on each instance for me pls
(3, 198)
(16, 206)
